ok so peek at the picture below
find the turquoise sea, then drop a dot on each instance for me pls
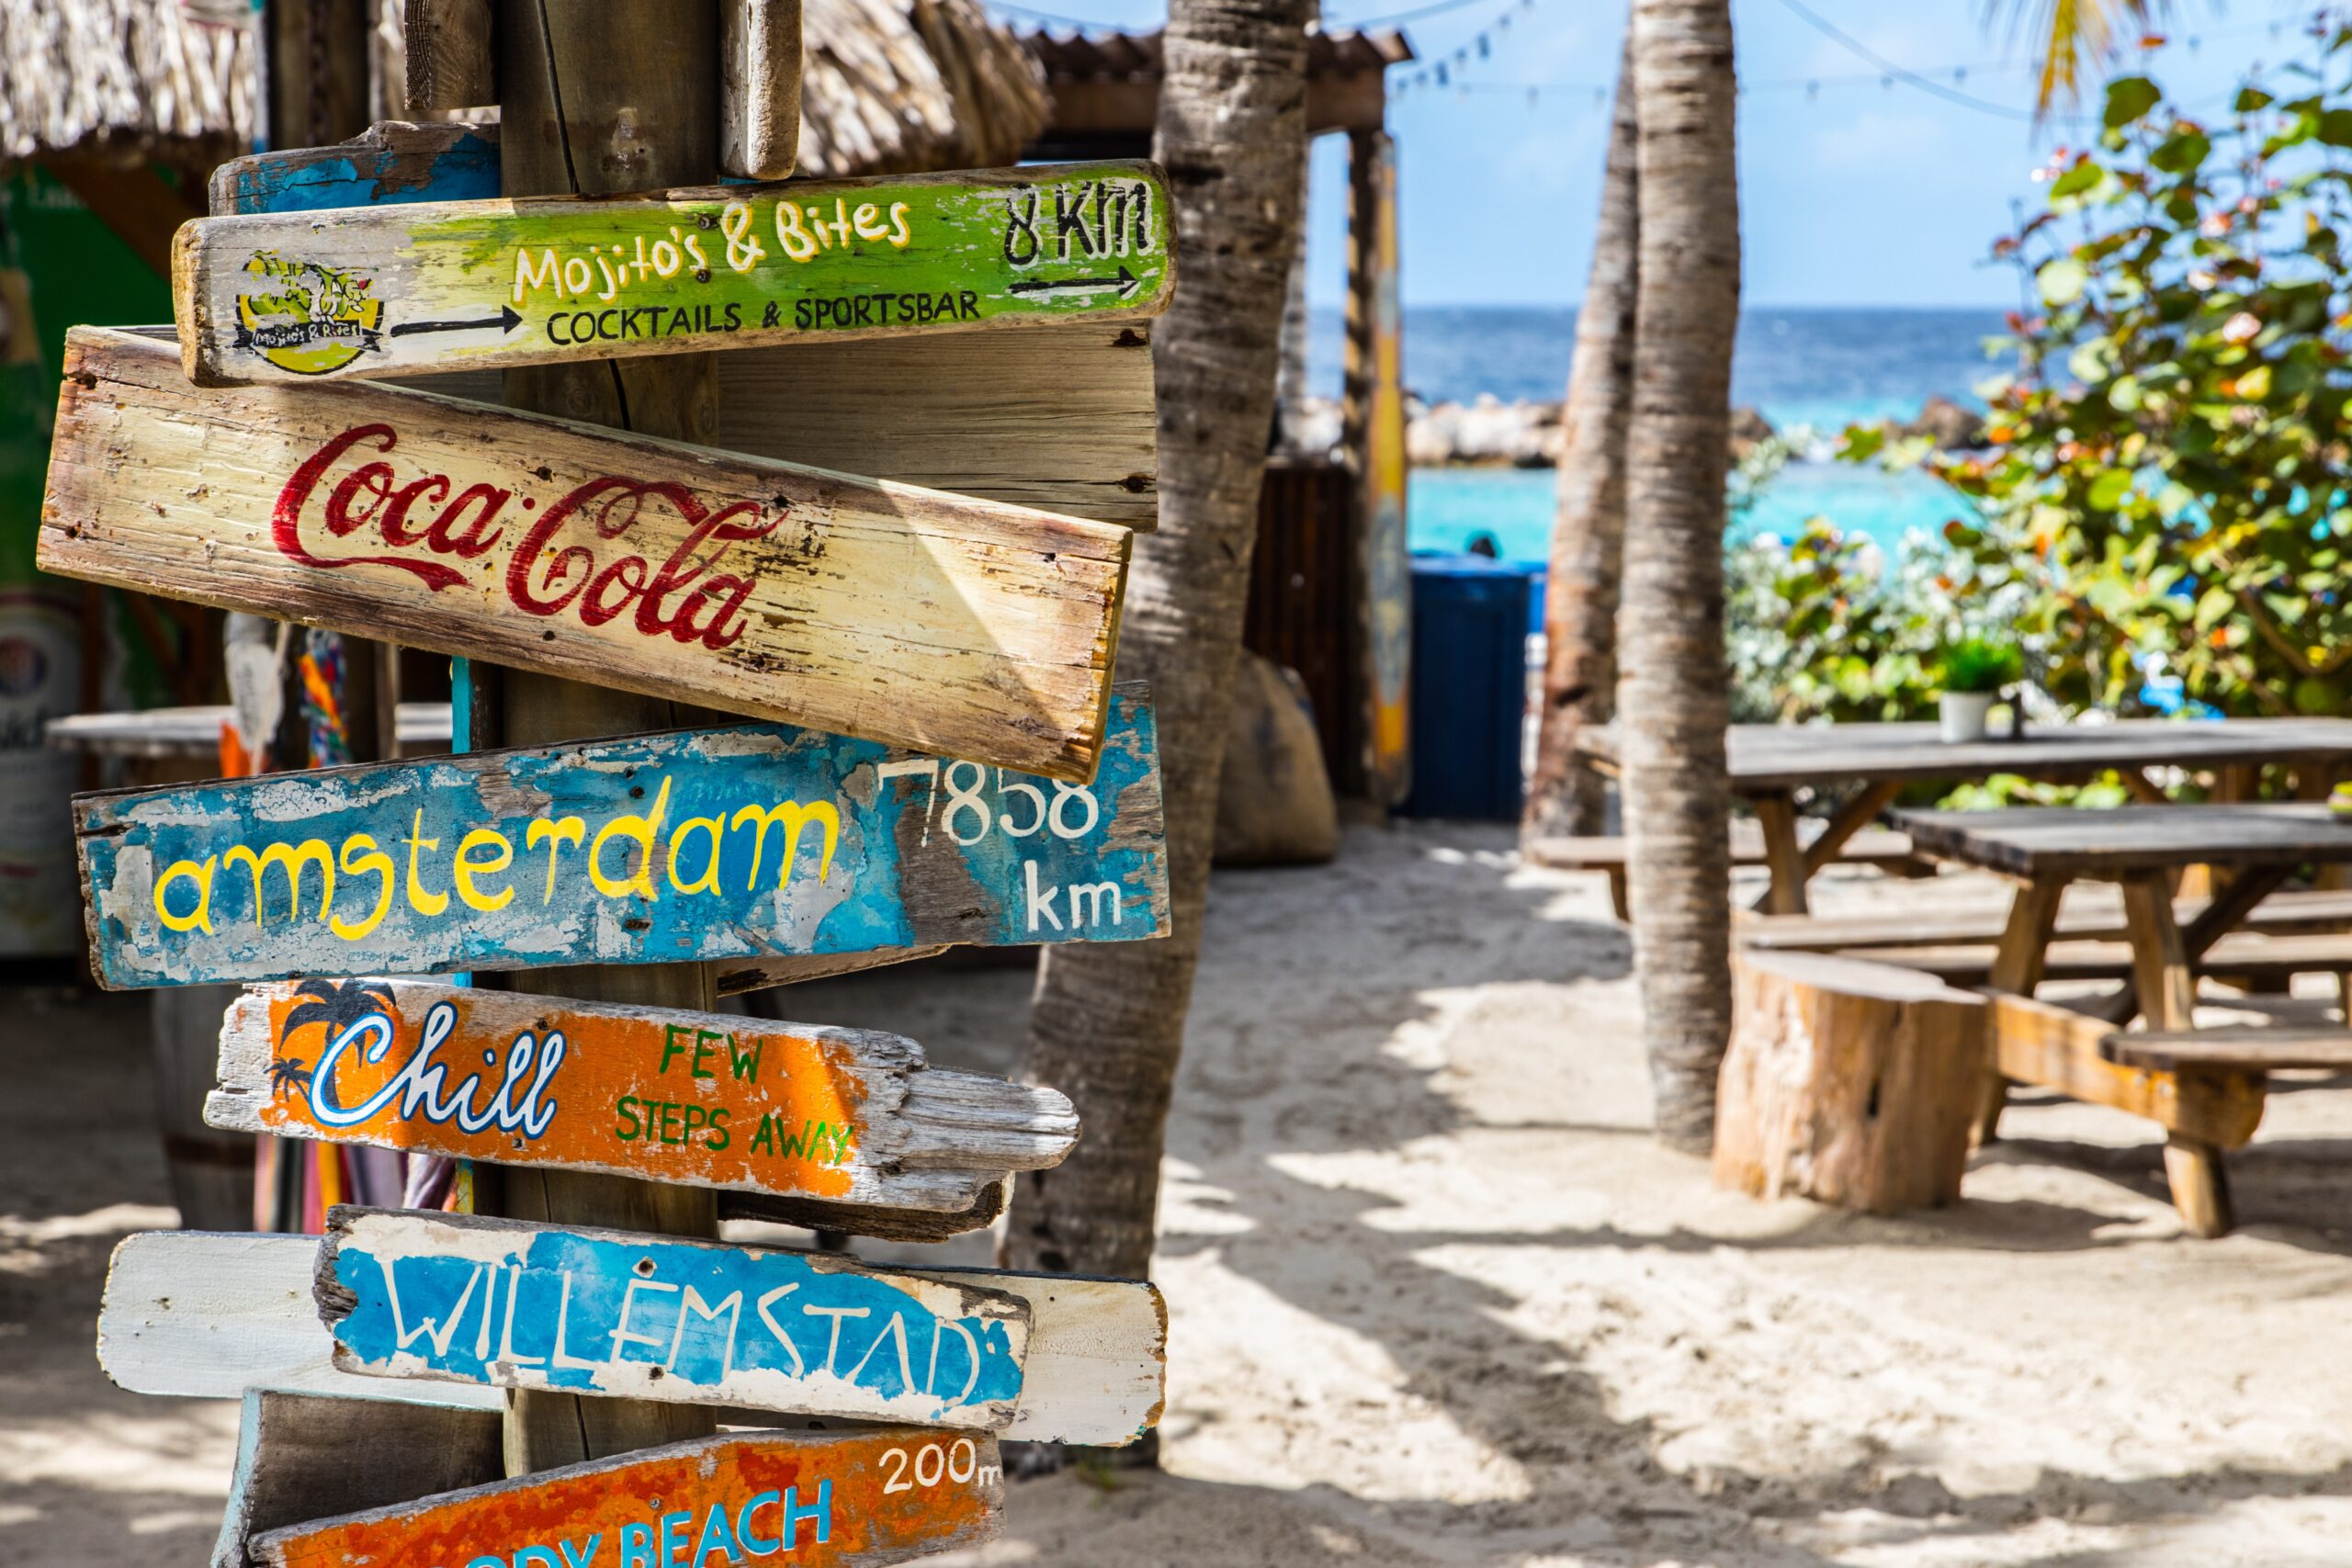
(1821, 368)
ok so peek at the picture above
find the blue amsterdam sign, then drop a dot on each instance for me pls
(463, 1299)
(755, 843)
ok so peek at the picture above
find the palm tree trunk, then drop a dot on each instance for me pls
(1673, 693)
(1588, 537)
(1109, 1019)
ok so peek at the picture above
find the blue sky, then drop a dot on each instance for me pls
(1855, 194)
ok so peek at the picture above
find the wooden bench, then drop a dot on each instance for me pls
(2204, 1087)
(2250, 955)
(1881, 848)
(2246, 1048)
(2300, 910)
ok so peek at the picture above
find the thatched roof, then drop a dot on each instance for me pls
(888, 87)
(102, 75)
(891, 86)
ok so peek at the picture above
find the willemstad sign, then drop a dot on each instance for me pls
(413, 1294)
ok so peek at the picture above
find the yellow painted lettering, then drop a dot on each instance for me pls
(794, 816)
(291, 860)
(709, 881)
(462, 871)
(376, 864)
(424, 903)
(901, 235)
(643, 830)
(546, 274)
(867, 220)
(792, 234)
(201, 917)
(557, 832)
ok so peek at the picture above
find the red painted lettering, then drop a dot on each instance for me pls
(550, 571)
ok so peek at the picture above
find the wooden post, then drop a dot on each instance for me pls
(1373, 414)
(314, 71)
(601, 100)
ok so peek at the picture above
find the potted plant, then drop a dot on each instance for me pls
(1975, 672)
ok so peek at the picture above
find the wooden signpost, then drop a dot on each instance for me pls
(811, 597)
(432, 285)
(206, 1316)
(466, 1299)
(817, 1499)
(850, 1115)
(751, 842)
(908, 625)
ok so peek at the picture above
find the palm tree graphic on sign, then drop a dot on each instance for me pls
(335, 1003)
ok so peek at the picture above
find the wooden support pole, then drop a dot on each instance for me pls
(449, 55)
(601, 100)
(1373, 432)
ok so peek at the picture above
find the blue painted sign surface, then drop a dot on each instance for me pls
(466, 1300)
(761, 841)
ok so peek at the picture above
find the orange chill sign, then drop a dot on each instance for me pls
(814, 1500)
(713, 1100)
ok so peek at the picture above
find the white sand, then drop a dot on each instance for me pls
(1438, 1297)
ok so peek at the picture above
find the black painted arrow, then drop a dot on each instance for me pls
(506, 320)
(1126, 283)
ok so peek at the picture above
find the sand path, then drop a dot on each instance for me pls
(1437, 1298)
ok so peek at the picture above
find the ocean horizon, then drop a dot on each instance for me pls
(1821, 367)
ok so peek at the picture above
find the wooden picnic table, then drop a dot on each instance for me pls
(1769, 763)
(2137, 848)
(156, 733)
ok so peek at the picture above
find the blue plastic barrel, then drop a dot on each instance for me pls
(1471, 619)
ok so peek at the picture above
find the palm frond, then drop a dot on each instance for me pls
(2067, 35)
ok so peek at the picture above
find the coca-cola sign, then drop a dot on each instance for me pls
(348, 506)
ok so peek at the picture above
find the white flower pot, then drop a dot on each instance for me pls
(1962, 715)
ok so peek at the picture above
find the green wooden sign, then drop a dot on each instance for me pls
(436, 285)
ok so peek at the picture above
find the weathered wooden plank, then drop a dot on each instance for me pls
(2246, 1047)
(206, 1316)
(2054, 1047)
(861, 606)
(854, 1116)
(449, 58)
(391, 161)
(393, 290)
(759, 974)
(306, 1456)
(2115, 843)
(826, 1500)
(468, 1299)
(759, 87)
(1059, 418)
(647, 850)
(1789, 756)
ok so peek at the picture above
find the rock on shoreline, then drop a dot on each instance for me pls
(1488, 433)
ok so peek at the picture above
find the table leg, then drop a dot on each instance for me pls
(2315, 780)
(2200, 1187)
(2017, 968)
(1851, 818)
(2160, 970)
(1777, 814)
(2220, 916)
